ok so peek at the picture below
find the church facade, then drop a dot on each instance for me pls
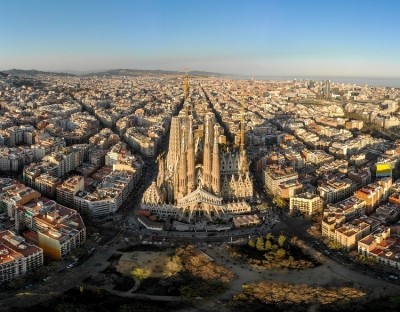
(199, 178)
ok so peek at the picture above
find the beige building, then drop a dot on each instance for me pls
(306, 203)
(381, 246)
(375, 193)
(47, 184)
(334, 190)
(56, 229)
(350, 233)
(289, 188)
(374, 241)
(337, 214)
(274, 175)
(66, 191)
(354, 124)
(112, 190)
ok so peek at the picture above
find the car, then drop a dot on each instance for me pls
(91, 250)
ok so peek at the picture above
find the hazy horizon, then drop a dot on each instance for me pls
(294, 76)
(255, 38)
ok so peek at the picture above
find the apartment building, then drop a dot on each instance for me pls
(47, 184)
(337, 214)
(66, 191)
(374, 193)
(56, 229)
(108, 196)
(306, 203)
(273, 175)
(381, 246)
(350, 233)
(334, 190)
(17, 257)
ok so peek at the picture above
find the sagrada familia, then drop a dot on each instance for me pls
(198, 179)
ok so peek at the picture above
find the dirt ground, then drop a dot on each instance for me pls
(153, 261)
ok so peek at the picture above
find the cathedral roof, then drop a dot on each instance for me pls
(199, 195)
(152, 195)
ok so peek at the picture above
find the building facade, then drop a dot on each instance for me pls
(306, 203)
(17, 257)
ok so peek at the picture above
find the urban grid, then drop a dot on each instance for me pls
(89, 163)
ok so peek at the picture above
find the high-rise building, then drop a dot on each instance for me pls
(327, 89)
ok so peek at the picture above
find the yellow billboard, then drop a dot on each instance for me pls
(384, 170)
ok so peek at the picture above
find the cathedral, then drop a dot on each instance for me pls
(199, 178)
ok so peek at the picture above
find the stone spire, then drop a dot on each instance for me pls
(207, 155)
(174, 141)
(182, 180)
(191, 184)
(160, 176)
(216, 183)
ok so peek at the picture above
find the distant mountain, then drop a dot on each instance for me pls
(3, 74)
(141, 72)
(108, 73)
(130, 72)
(205, 73)
(33, 73)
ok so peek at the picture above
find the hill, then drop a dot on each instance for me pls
(34, 73)
(143, 72)
(108, 73)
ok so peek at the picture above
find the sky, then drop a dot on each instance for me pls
(248, 37)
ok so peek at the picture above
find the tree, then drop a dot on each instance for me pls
(174, 266)
(268, 245)
(269, 236)
(280, 253)
(334, 245)
(251, 244)
(70, 307)
(281, 240)
(140, 273)
(279, 202)
(260, 244)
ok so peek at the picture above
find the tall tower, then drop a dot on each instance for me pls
(242, 142)
(174, 141)
(191, 185)
(207, 161)
(186, 84)
(242, 127)
(182, 180)
(161, 170)
(327, 89)
(216, 180)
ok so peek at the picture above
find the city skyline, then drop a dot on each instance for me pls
(260, 38)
